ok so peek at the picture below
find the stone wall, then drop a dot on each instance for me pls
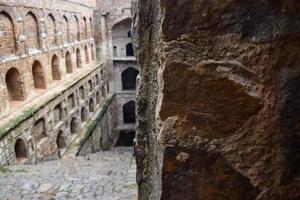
(218, 105)
(61, 113)
(38, 31)
(117, 34)
(100, 133)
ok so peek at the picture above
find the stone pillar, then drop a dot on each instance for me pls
(104, 38)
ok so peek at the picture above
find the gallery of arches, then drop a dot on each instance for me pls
(149, 100)
(66, 100)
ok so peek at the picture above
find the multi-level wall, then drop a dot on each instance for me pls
(68, 78)
(121, 65)
(41, 44)
(51, 84)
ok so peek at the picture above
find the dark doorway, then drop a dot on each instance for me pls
(55, 68)
(38, 75)
(78, 59)
(129, 78)
(39, 130)
(126, 139)
(92, 105)
(129, 50)
(74, 125)
(15, 86)
(87, 58)
(84, 114)
(20, 150)
(69, 66)
(60, 140)
(129, 112)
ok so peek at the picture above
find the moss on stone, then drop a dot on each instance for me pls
(5, 129)
(4, 170)
(90, 126)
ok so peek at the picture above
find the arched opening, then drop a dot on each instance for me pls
(126, 139)
(32, 31)
(129, 49)
(78, 58)
(90, 85)
(57, 114)
(98, 98)
(84, 114)
(97, 79)
(38, 76)
(55, 68)
(7, 39)
(129, 34)
(93, 52)
(129, 112)
(74, 125)
(20, 150)
(51, 31)
(66, 30)
(129, 78)
(91, 27)
(103, 91)
(107, 87)
(71, 101)
(39, 130)
(60, 140)
(87, 59)
(115, 51)
(69, 66)
(15, 86)
(77, 29)
(92, 105)
(120, 38)
(81, 92)
(85, 28)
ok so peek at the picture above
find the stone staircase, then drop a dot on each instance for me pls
(106, 175)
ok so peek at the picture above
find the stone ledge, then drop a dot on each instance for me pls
(126, 59)
(6, 127)
(86, 132)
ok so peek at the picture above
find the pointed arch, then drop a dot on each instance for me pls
(98, 98)
(91, 28)
(56, 75)
(93, 51)
(129, 49)
(84, 114)
(7, 39)
(51, 30)
(129, 76)
(78, 58)
(39, 130)
(15, 85)
(77, 28)
(20, 150)
(87, 57)
(92, 105)
(66, 29)
(120, 37)
(68, 62)
(38, 75)
(129, 112)
(32, 31)
(85, 28)
(60, 140)
(74, 125)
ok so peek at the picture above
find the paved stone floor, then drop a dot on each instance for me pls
(102, 176)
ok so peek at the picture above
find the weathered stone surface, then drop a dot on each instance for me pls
(219, 94)
(80, 178)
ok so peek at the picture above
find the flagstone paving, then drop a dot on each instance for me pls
(106, 175)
